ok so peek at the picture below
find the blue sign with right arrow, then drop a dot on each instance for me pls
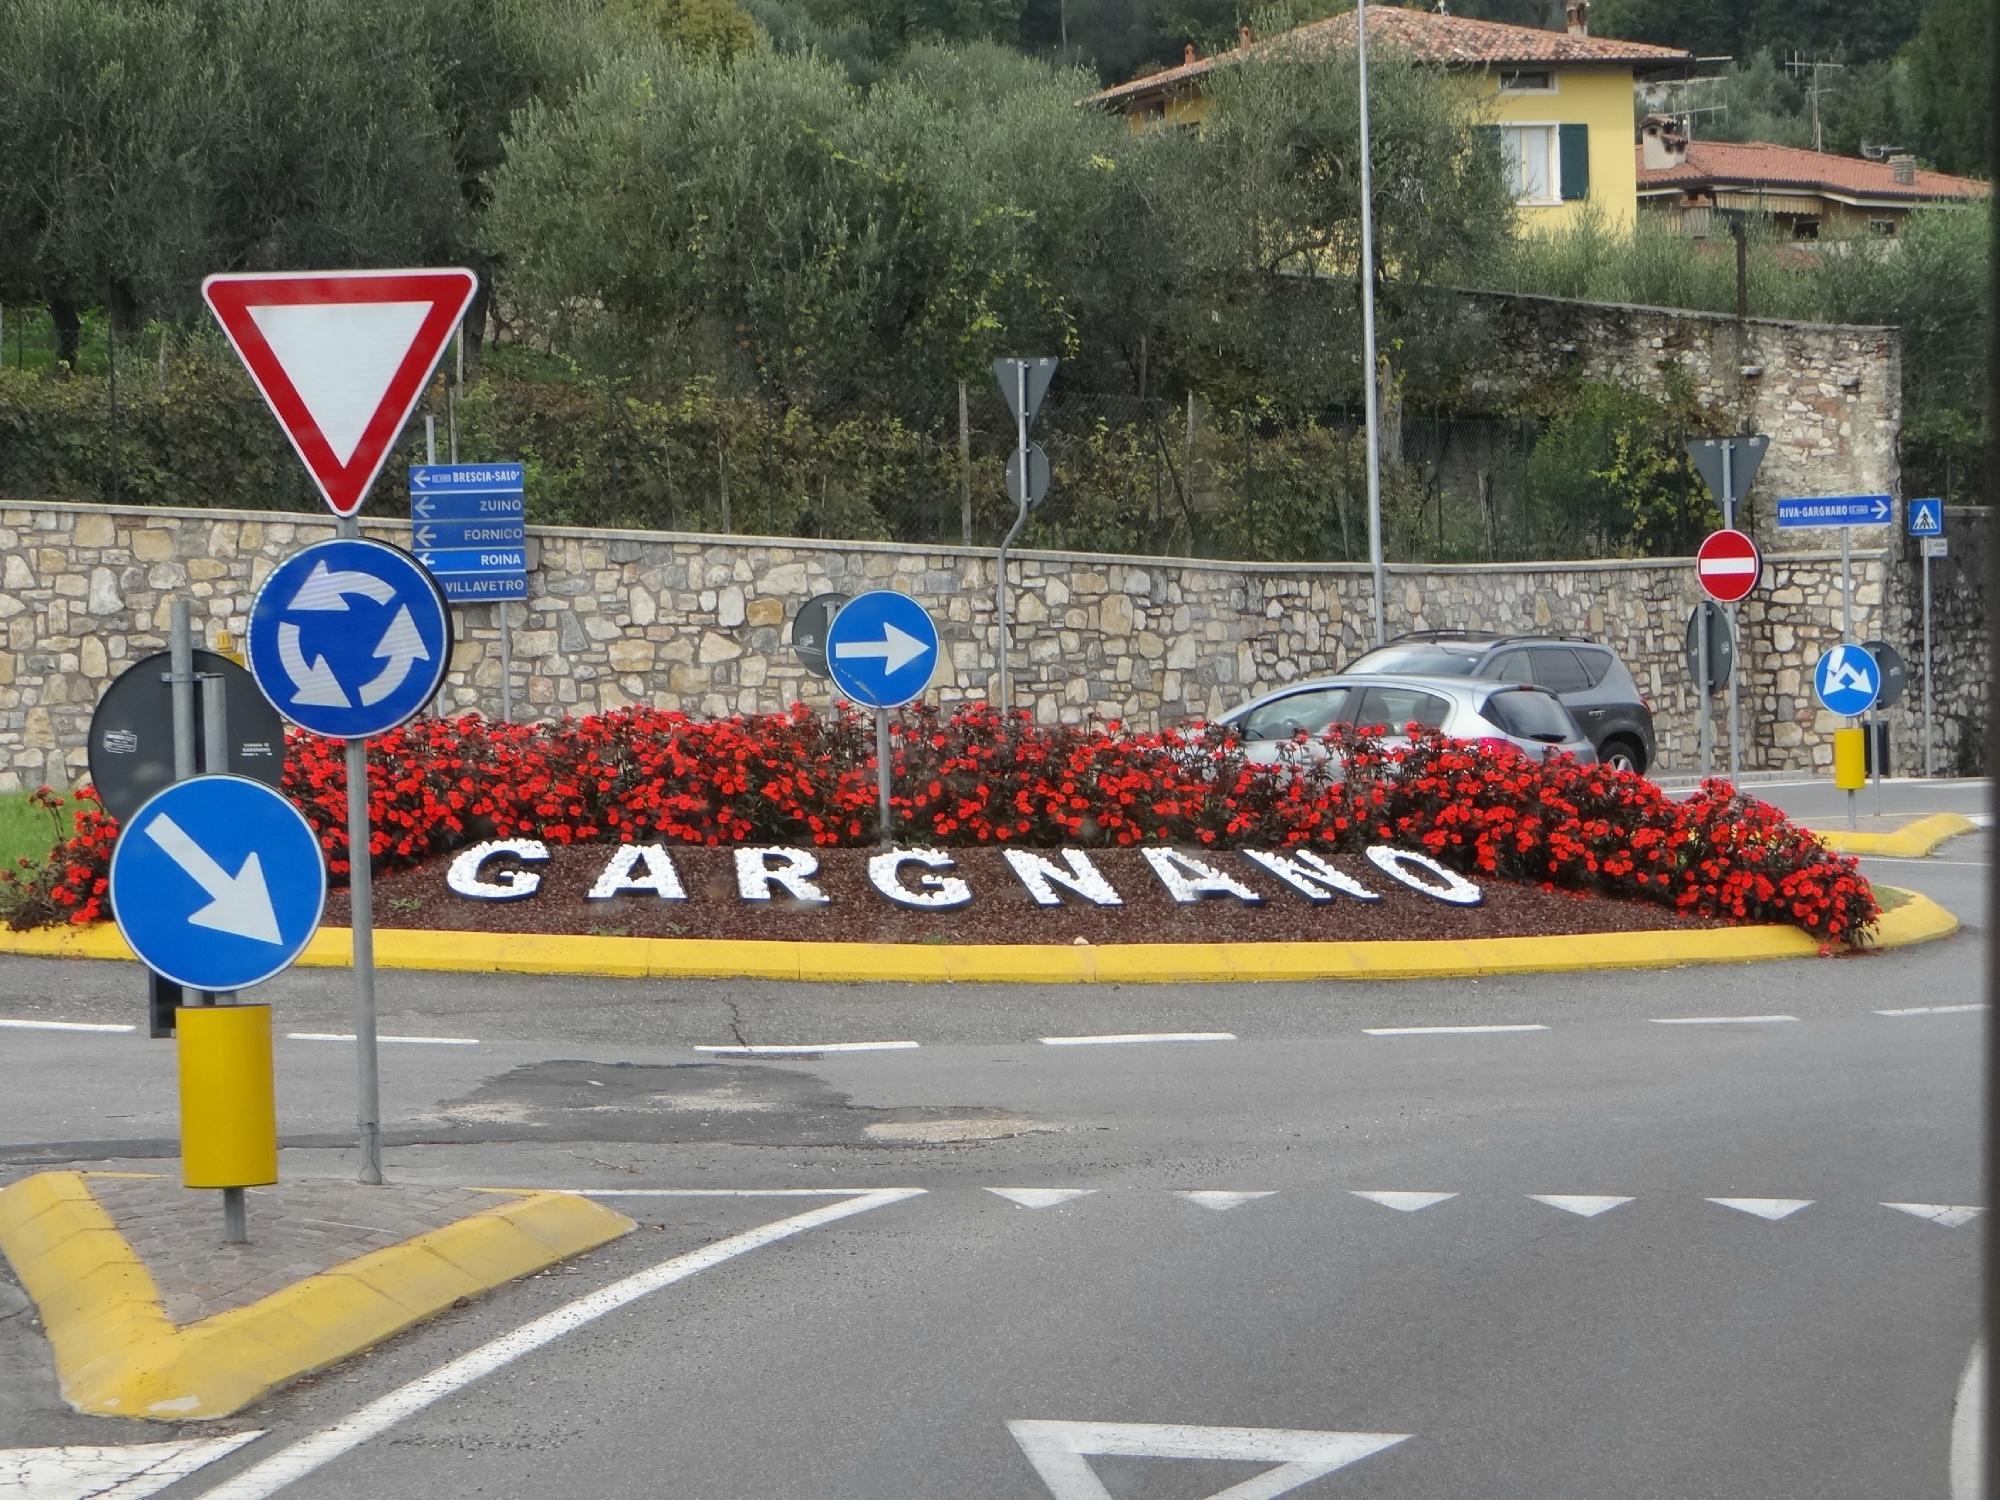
(882, 649)
(1835, 510)
(217, 883)
(1847, 680)
(349, 638)
(469, 523)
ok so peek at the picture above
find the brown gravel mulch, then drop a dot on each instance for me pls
(1001, 910)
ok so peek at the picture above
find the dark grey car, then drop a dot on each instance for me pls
(1589, 678)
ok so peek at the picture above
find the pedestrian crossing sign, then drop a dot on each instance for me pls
(1926, 517)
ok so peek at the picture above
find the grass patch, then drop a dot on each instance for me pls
(1889, 897)
(26, 832)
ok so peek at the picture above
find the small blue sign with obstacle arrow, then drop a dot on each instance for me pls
(1926, 517)
(1847, 680)
(882, 649)
(349, 638)
(217, 883)
(469, 522)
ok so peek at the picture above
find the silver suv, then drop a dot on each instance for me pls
(1529, 719)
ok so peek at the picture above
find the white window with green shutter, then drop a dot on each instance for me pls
(1546, 163)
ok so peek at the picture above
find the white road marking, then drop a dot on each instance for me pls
(1968, 1428)
(1980, 820)
(1059, 1452)
(1773, 1209)
(121, 1472)
(1934, 1010)
(1720, 1020)
(1220, 1201)
(1926, 859)
(804, 1049)
(378, 1416)
(841, 1192)
(1951, 1215)
(1449, 1030)
(63, 1026)
(1139, 1036)
(1407, 1203)
(1582, 1205)
(348, 1036)
(1040, 1197)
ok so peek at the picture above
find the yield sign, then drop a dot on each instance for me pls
(341, 357)
(1727, 566)
(1060, 1452)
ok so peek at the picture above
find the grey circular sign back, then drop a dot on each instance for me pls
(809, 627)
(1895, 672)
(1721, 645)
(132, 733)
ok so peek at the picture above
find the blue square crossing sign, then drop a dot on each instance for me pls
(1926, 517)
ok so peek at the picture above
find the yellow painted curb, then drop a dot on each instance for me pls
(1045, 963)
(117, 1355)
(1912, 841)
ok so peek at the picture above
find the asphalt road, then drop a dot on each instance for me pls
(1804, 1341)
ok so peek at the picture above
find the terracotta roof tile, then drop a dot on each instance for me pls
(1453, 41)
(1761, 164)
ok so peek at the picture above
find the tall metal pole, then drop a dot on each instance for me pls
(1368, 327)
(1735, 635)
(1846, 584)
(1930, 767)
(506, 663)
(1020, 520)
(361, 904)
(886, 830)
(215, 760)
(180, 686)
(1701, 687)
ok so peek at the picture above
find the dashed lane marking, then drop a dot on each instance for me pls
(1934, 1010)
(803, 1049)
(1040, 1197)
(1720, 1020)
(348, 1036)
(1221, 1202)
(1773, 1209)
(1584, 1206)
(63, 1026)
(1406, 1203)
(1951, 1215)
(1451, 1030)
(1138, 1036)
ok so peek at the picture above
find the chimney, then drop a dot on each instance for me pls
(1662, 143)
(1903, 168)
(1188, 55)
(1577, 14)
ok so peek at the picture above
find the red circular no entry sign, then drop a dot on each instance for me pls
(1728, 566)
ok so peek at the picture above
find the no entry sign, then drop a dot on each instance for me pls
(1728, 566)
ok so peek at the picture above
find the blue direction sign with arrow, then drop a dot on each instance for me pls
(349, 638)
(1926, 517)
(882, 649)
(1836, 510)
(217, 883)
(1847, 680)
(469, 522)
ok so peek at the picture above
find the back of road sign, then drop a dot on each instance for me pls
(217, 883)
(132, 732)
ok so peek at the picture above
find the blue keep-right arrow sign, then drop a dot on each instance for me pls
(1926, 517)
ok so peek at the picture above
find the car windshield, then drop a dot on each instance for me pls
(1530, 715)
(1419, 660)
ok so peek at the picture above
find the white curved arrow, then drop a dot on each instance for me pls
(401, 646)
(313, 681)
(897, 649)
(323, 588)
(239, 904)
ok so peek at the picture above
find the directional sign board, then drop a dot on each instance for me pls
(882, 649)
(341, 358)
(1727, 566)
(132, 732)
(217, 883)
(469, 523)
(1847, 680)
(349, 638)
(1836, 510)
(1926, 517)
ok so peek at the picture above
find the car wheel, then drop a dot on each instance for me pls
(1623, 755)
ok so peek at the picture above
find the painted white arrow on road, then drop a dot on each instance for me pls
(313, 682)
(127, 1472)
(326, 589)
(401, 647)
(1060, 1452)
(239, 904)
(896, 650)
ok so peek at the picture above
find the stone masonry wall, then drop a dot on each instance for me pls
(700, 623)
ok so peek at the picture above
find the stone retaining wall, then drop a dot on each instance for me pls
(700, 623)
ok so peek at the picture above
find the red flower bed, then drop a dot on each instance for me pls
(973, 778)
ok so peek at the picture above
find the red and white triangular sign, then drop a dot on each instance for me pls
(341, 358)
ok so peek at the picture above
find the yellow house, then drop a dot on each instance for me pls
(1561, 101)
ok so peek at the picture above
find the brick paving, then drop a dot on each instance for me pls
(297, 1229)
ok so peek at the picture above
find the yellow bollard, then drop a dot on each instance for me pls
(1850, 759)
(229, 1111)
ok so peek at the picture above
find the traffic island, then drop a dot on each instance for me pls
(1913, 839)
(148, 1316)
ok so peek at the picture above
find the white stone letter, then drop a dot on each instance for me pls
(935, 893)
(1410, 869)
(1041, 876)
(755, 875)
(659, 875)
(507, 885)
(1311, 876)
(1189, 879)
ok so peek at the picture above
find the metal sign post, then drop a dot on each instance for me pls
(361, 920)
(1023, 382)
(1926, 522)
(887, 829)
(1729, 524)
(1729, 467)
(1701, 686)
